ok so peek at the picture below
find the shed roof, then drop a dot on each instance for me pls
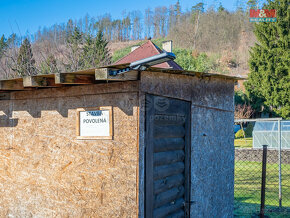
(92, 76)
(146, 50)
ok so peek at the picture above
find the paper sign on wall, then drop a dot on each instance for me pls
(94, 124)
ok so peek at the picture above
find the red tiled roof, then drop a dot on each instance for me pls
(146, 50)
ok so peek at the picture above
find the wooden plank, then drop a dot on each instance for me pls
(168, 183)
(168, 209)
(178, 214)
(168, 196)
(39, 81)
(169, 131)
(4, 96)
(169, 119)
(168, 144)
(171, 126)
(187, 171)
(169, 157)
(149, 162)
(73, 78)
(13, 84)
(197, 74)
(168, 170)
(104, 74)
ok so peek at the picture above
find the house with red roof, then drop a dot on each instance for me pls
(149, 49)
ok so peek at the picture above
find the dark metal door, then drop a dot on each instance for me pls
(167, 157)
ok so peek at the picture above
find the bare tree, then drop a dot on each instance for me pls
(136, 17)
(243, 112)
(157, 21)
(148, 22)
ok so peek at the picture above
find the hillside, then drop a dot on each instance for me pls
(224, 61)
(212, 40)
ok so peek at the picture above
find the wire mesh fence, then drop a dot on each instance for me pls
(248, 176)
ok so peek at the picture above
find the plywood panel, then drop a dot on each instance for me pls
(46, 172)
(208, 92)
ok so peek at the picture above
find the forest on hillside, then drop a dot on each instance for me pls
(207, 40)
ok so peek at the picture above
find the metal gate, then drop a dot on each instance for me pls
(167, 157)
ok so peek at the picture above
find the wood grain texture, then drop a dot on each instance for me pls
(168, 209)
(168, 196)
(104, 74)
(74, 91)
(46, 172)
(209, 92)
(73, 78)
(168, 183)
(39, 81)
(13, 84)
(4, 96)
(168, 144)
(169, 132)
(165, 158)
(168, 121)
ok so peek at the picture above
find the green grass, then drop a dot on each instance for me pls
(243, 143)
(248, 188)
(252, 210)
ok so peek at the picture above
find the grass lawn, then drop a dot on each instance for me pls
(244, 143)
(248, 188)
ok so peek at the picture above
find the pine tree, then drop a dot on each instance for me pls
(88, 52)
(74, 44)
(49, 66)
(95, 52)
(101, 45)
(25, 61)
(269, 82)
(199, 7)
(177, 10)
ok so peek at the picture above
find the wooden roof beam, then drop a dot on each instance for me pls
(74, 78)
(104, 74)
(11, 85)
(40, 81)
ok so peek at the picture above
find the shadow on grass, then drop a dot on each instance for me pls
(248, 210)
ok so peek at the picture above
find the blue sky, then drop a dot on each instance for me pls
(26, 16)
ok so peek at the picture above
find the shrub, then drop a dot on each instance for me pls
(240, 134)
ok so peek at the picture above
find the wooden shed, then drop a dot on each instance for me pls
(152, 143)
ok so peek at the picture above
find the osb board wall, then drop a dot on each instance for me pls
(212, 163)
(212, 142)
(46, 172)
(208, 92)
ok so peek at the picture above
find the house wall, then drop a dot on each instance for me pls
(46, 172)
(212, 141)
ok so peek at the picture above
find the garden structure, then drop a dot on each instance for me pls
(145, 143)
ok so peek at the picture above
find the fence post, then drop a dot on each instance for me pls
(263, 186)
(280, 171)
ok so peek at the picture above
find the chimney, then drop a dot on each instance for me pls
(167, 46)
(134, 47)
